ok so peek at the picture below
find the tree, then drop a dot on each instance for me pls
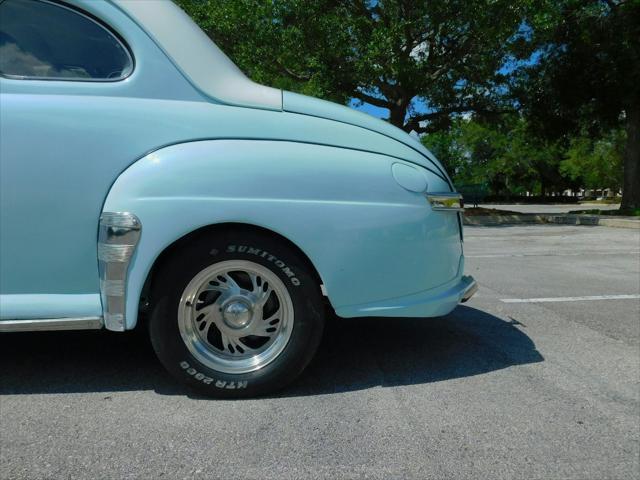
(502, 154)
(422, 61)
(587, 81)
(596, 163)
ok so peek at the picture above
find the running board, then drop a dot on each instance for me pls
(47, 324)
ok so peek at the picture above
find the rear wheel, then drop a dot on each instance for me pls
(237, 314)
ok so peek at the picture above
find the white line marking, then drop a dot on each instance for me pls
(569, 299)
(573, 254)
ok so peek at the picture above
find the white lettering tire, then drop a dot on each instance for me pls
(235, 314)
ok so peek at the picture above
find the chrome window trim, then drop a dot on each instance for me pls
(118, 237)
(50, 324)
(446, 202)
(99, 23)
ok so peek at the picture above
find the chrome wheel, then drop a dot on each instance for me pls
(235, 316)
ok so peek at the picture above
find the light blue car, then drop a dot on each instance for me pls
(145, 179)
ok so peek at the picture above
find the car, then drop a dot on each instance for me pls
(147, 182)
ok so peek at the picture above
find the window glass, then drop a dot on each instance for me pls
(42, 40)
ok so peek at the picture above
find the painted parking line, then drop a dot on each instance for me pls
(568, 254)
(569, 299)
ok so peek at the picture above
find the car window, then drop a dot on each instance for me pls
(44, 40)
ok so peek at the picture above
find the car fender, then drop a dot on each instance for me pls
(366, 236)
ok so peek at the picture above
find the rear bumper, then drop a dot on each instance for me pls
(472, 288)
(429, 303)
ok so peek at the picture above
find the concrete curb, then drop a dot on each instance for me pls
(486, 220)
(562, 219)
(620, 222)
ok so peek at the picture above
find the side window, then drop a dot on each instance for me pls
(44, 40)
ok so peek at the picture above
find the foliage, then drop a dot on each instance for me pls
(586, 83)
(596, 163)
(511, 160)
(588, 71)
(423, 61)
(504, 155)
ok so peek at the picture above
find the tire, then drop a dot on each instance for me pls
(235, 314)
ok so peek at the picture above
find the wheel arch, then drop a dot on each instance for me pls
(145, 298)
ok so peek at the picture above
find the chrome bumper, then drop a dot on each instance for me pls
(471, 288)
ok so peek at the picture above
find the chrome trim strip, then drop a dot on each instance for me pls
(112, 288)
(115, 253)
(48, 324)
(124, 220)
(116, 320)
(117, 240)
(446, 202)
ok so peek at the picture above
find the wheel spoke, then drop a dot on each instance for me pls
(258, 288)
(264, 328)
(206, 309)
(231, 282)
(223, 283)
(225, 342)
(242, 346)
(273, 316)
(228, 340)
(208, 319)
(263, 296)
(260, 330)
(218, 287)
(254, 281)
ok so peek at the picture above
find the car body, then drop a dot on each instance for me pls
(99, 177)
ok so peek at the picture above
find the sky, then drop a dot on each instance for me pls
(370, 109)
(420, 106)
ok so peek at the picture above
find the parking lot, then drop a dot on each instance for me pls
(536, 377)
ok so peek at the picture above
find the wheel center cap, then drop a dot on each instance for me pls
(236, 314)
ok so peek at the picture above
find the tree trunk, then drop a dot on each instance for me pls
(396, 116)
(398, 112)
(631, 180)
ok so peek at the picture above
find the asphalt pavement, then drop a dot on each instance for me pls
(538, 376)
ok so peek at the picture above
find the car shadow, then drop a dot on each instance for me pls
(355, 354)
(363, 353)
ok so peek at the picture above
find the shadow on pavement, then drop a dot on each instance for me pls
(355, 354)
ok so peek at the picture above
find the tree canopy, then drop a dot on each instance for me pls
(587, 81)
(422, 61)
(531, 95)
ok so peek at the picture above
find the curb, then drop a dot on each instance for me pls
(487, 220)
(561, 219)
(619, 222)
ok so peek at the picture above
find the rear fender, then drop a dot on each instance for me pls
(341, 207)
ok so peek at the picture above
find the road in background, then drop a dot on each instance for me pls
(549, 208)
(494, 390)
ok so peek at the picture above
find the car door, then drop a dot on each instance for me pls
(53, 174)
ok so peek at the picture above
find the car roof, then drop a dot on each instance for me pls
(198, 58)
